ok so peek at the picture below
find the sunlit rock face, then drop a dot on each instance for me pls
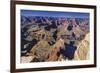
(46, 39)
(82, 52)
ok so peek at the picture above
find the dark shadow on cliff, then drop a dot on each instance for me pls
(69, 50)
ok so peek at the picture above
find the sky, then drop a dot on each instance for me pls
(54, 14)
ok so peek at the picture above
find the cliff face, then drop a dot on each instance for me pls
(54, 39)
(82, 52)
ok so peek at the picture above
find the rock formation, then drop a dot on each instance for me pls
(54, 39)
(82, 52)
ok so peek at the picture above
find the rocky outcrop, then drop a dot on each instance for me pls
(54, 39)
(41, 50)
(54, 55)
(82, 52)
(26, 59)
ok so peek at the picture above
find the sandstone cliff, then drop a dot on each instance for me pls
(82, 52)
